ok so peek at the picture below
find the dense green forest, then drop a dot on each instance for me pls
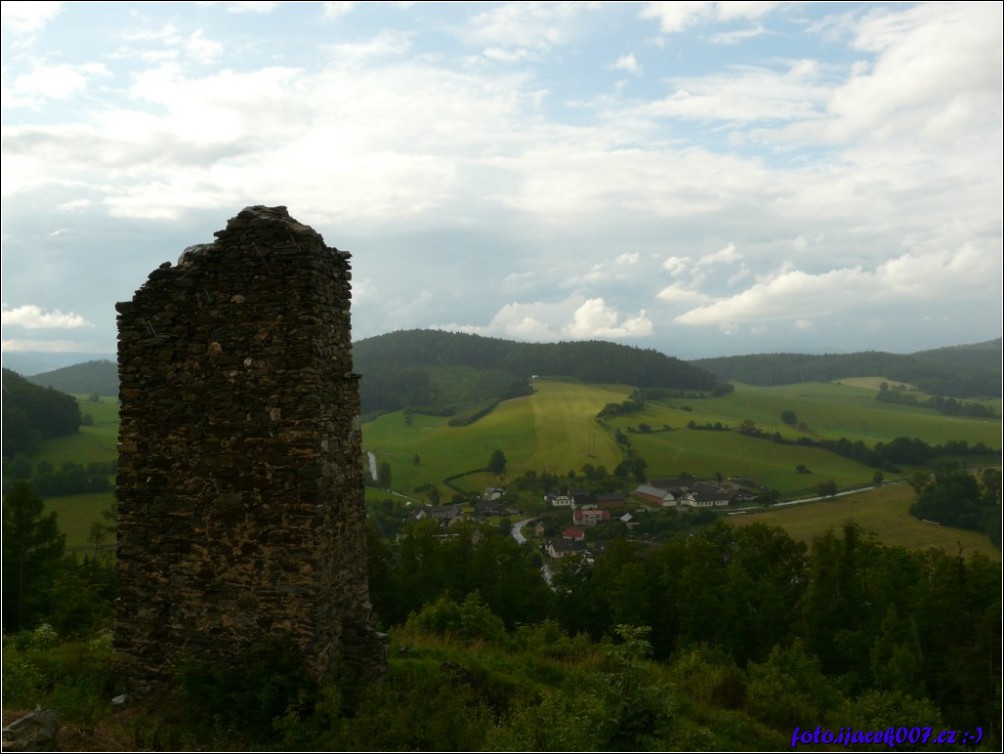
(32, 414)
(401, 368)
(962, 371)
(954, 497)
(723, 637)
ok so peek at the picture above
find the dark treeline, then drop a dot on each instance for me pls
(32, 414)
(910, 451)
(71, 478)
(723, 637)
(946, 406)
(41, 582)
(868, 618)
(955, 497)
(636, 401)
(399, 368)
(961, 372)
(436, 391)
(901, 450)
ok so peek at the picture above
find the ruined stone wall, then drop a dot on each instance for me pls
(240, 489)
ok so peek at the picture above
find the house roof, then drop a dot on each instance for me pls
(651, 491)
(566, 545)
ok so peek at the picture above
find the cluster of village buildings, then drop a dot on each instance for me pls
(590, 509)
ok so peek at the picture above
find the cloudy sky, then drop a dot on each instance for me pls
(700, 178)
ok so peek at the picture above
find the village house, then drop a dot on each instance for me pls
(562, 548)
(610, 500)
(574, 533)
(589, 516)
(487, 508)
(445, 514)
(558, 499)
(706, 495)
(571, 498)
(657, 495)
(686, 492)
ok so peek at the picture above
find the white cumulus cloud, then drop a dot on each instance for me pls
(628, 63)
(34, 317)
(335, 10)
(796, 295)
(594, 319)
(573, 318)
(677, 16)
(28, 18)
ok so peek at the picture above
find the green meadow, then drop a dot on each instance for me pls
(704, 454)
(76, 514)
(884, 510)
(97, 442)
(555, 430)
(552, 430)
(567, 433)
(828, 409)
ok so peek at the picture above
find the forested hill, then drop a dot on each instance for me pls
(449, 372)
(405, 368)
(961, 371)
(100, 376)
(32, 414)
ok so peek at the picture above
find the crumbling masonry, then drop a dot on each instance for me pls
(240, 491)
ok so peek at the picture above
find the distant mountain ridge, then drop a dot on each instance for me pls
(435, 368)
(101, 376)
(446, 372)
(961, 371)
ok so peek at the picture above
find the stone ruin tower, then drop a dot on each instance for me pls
(240, 488)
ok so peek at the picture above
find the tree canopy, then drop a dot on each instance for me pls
(32, 414)
(33, 548)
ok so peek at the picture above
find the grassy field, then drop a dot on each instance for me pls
(552, 430)
(705, 454)
(831, 410)
(555, 430)
(567, 434)
(883, 511)
(98, 442)
(75, 515)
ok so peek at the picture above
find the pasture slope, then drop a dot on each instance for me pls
(567, 433)
(884, 510)
(76, 515)
(97, 442)
(833, 410)
(827, 410)
(554, 430)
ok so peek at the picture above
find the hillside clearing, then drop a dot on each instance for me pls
(568, 436)
(883, 511)
(75, 514)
